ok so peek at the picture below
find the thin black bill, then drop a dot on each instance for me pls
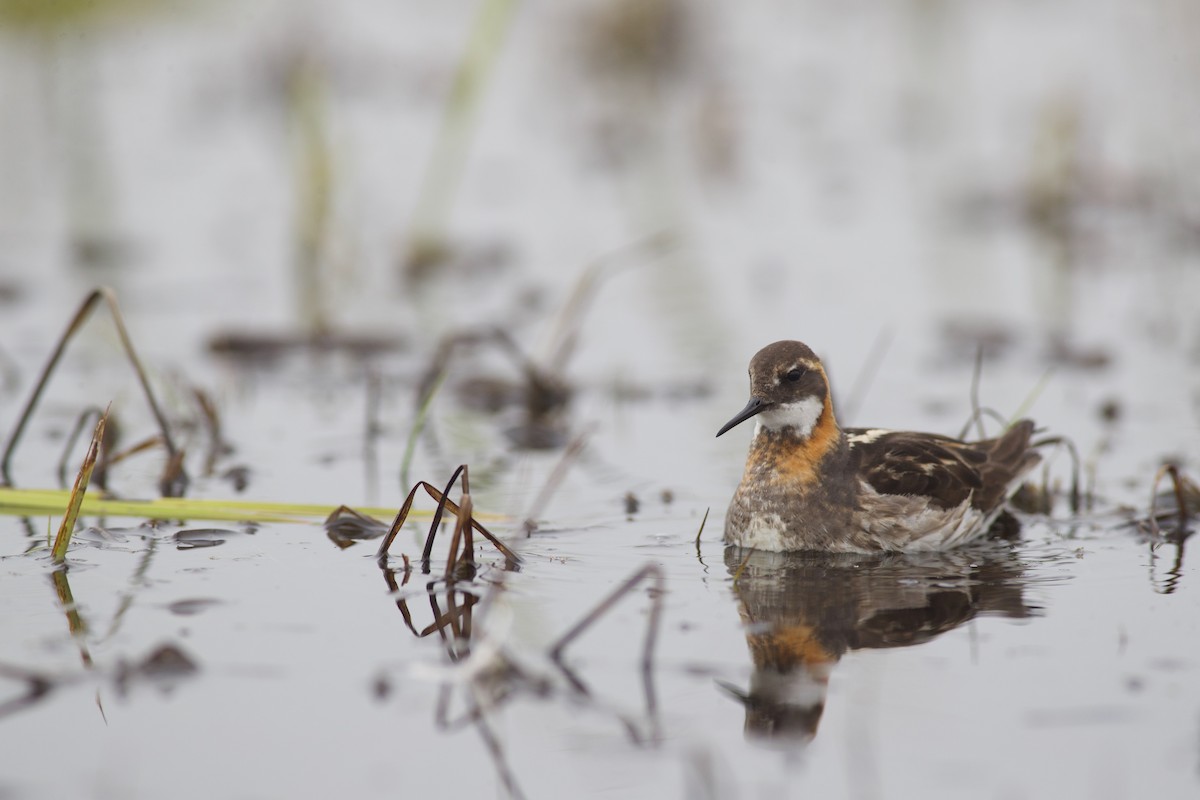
(756, 406)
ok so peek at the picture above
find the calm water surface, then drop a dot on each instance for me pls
(893, 185)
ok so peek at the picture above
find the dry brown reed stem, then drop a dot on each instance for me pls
(1070, 445)
(389, 577)
(58, 552)
(1180, 499)
(149, 443)
(543, 384)
(1169, 584)
(571, 452)
(458, 619)
(462, 535)
(652, 573)
(978, 411)
(132, 450)
(702, 524)
(37, 688)
(742, 567)
(217, 446)
(475, 714)
(507, 777)
(75, 623)
(441, 509)
(1175, 573)
(444, 502)
(570, 318)
(171, 488)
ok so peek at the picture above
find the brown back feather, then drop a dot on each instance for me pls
(1007, 457)
(945, 469)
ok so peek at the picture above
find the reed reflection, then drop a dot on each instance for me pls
(803, 611)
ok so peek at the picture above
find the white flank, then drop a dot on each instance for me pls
(802, 416)
(764, 531)
(916, 524)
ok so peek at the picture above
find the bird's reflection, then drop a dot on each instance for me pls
(803, 611)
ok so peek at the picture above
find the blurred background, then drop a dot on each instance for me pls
(636, 191)
(895, 183)
(583, 217)
(825, 170)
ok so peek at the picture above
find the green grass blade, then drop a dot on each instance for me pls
(42, 502)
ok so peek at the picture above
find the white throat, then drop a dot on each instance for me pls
(801, 416)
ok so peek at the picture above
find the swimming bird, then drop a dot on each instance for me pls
(811, 485)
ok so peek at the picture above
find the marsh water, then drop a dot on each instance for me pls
(639, 197)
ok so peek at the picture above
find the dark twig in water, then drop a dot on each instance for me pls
(441, 509)
(702, 523)
(1174, 574)
(570, 453)
(38, 687)
(545, 390)
(653, 573)
(58, 552)
(1179, 536)
(1075, 468)
(457, 618)
(463, 569)
(389, 577)
(737, 576)
(397, 523)
(444, 502)
(496, 751)
(217, 446)
(149, 443)
(1180, 500)
(174, 480)
(699, 532)
(75, 622)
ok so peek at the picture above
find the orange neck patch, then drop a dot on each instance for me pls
(782, 458)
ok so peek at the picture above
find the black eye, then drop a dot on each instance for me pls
(795, 375)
